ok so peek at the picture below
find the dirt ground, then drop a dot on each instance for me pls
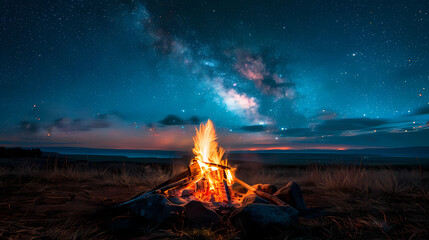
(60, 200)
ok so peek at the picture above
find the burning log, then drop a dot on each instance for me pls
(227, 191)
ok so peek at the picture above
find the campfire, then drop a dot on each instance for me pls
(209, 177)
(212, 178)
(203, 195)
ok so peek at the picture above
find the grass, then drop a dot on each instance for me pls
(62, 201)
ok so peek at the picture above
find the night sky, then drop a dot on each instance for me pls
(269, 74)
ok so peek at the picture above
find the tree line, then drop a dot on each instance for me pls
(18, 152)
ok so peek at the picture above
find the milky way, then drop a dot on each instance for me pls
(275, 74)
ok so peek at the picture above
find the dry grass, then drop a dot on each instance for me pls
(58, 202)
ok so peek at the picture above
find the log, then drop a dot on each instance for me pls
(184, 181)
(227, 192)
(261, 194)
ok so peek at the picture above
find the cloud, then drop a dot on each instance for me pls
(383, 139)
(254, 128)
(349, 124)
(111, 115)
(352, 127)
(194, 120)
(70, 125)
(297, 132)
(172, 120)
(65, 125)
(325, 115)
(422, 111)
(255, 68)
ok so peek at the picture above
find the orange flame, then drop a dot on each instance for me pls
(208, 152)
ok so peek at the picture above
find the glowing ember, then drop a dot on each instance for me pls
(215, 177)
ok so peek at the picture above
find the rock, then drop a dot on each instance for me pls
(156, 208)
(187, 192)
(177, 200)
(240, 189)
(123, 226)
(265, 220)
(198, 215)
(292, 195)
(268, 188)
(252, 198)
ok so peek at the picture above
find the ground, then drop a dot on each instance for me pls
(54, 199)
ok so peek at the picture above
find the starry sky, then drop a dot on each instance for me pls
(290, 74)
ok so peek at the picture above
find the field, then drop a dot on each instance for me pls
(55, 199)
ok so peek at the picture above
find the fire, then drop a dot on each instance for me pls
(215, 176)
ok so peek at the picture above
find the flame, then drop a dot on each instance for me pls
(206, 149)
(208, 155)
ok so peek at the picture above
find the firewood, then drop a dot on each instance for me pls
(184, 181)
(227, 191)
(261, 194)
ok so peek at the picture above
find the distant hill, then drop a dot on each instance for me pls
(18, 152)
(371, 156)
(421, 152)
(130, 153)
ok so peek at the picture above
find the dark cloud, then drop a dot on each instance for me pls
(382, 139)
(66, 124)
(69, 125)
(110, 115)
(254, 128)
(342, 128)
(31, 143)
(422, 111)
(297, 132)
(172, 120)
(194, 120)
(97, 124)
(349, 124)
(325, 115)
